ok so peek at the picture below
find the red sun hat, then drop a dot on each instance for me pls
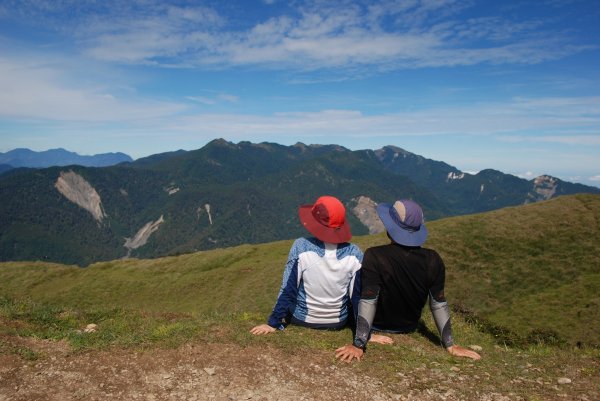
(326, 220)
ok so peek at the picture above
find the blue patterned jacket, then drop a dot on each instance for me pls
(320, 281)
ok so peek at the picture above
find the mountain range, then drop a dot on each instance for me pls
(226, 194)
(57, 157)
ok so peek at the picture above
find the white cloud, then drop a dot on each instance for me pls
(229, 98)
(528, 175)
(163, 37)
(595, 178)
(224, 97)
(592, 140)
(500, 119)
(201, 99)
(31, 89)
(319, 35)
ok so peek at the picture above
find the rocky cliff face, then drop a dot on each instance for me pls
(544, 188)
(76, 189)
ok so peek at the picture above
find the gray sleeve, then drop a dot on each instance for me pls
(364, 321)
(441, 316)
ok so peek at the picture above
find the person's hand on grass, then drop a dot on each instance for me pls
(457, 350)
(379, 339)
(262, 329)
(349, 352)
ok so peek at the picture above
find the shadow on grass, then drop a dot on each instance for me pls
(423, 330)
(507, 337)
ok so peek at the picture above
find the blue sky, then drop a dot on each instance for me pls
(509, 85)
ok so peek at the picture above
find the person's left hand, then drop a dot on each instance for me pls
(262, 329)
(349, 352)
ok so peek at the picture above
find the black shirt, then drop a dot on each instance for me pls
(403, 277)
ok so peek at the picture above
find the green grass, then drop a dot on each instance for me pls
(224, 280)
(524, 284)
(503, 369)
(527, 270)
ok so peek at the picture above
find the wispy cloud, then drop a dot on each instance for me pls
(501, 120)
(31, 89)
(593, 140)
(528, 175)
(201, 99)
(228, 98)
(210, 100)
(383, 35)
(37, 90)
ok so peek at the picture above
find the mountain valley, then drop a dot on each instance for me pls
(227, 194)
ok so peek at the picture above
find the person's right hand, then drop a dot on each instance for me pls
(262, 329)
(457, 350)
(349, 352)
(379, 339)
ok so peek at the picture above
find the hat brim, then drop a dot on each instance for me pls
(336, 235)
(399, 234)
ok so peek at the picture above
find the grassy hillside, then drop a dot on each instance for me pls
(533, 270)
(524, 283)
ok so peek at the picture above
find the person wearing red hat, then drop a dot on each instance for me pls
(321, 279)
(397, 280)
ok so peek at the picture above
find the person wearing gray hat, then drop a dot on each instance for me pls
(397, 280)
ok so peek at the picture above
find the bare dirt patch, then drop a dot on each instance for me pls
(191, 372)
(221, 372)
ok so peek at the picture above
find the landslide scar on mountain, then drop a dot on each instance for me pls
(366, 212)
(141, 237)
(76, 189)
(544, 187)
